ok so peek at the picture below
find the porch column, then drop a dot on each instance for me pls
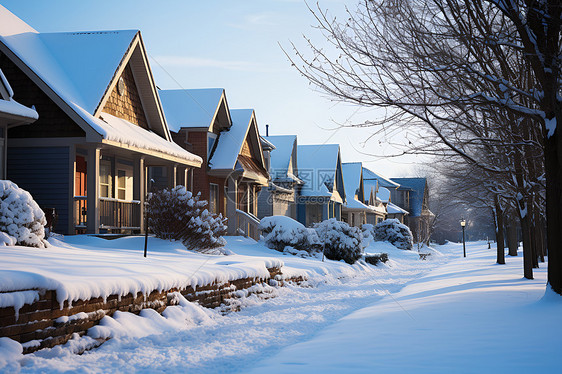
(139, 183)
(93, 199)
(231, 205)
(174, 175)
(73, 210)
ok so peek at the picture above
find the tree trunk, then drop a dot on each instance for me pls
(553, 168)
(500, 240)
(512, 240)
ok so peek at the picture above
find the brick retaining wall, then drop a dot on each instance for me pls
(38, 327)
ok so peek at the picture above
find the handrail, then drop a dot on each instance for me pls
(250, 216)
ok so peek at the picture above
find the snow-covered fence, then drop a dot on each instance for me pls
(247, 224)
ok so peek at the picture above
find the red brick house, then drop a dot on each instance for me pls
(228, 141)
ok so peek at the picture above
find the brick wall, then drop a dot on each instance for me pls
(38, 321)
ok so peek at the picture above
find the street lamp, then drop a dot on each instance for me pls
(463, 224)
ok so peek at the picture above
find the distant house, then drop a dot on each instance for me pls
(377, 195)
(12, 114)
(228, 142)
(323, 193)
(100, 128)
(413, 196)
(356, 209)
(279, 198)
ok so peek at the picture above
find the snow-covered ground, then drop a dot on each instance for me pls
(448, 314)
(189, 337)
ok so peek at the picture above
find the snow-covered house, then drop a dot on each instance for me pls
(228, 142)
(323, 193)
(376, 196)
(355, 209)
(279, 199)
(12, 114)
(413, 196)
(100, 128)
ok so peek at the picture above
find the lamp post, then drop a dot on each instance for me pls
(463, 224)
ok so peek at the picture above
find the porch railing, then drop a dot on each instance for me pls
(114, 214)
(247, 224)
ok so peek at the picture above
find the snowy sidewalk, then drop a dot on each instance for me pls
(468, 316)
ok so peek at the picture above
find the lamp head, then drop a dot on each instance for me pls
(463, 222)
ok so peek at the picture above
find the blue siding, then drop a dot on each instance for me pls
(44, 172)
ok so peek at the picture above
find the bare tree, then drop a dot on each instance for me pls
(433, 64)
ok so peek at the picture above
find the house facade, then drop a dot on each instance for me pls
(413, 194)
(323, 193)
(279, 198)
(101, 127)
(228, 142)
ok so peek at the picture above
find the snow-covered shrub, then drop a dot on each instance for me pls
(341, 241)
(367, 229)
(21, 220)
(177, 214)
(375, 258)
(394, 232)
(280, 232)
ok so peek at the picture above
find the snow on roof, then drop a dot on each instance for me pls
(190, 108)
(395, 209)
(266, 145)
(383, 194)
(317, 167)
(383, 180)
(122, 131)
(368, 185)
(351, 177)
(12, 107)
(78, 67)
(417, 187)
(281, 155)
(229, 143)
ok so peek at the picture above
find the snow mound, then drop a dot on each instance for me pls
(21, 219)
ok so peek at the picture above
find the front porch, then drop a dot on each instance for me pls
(111, 185)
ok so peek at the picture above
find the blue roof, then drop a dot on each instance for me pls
(417, 186)
(318, 165)
(281, 155)
(383, 181)
(190, 108)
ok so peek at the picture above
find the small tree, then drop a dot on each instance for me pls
(340, 241)
(394, 232)
(177, 214)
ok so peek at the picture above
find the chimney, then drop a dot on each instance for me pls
(266, 130)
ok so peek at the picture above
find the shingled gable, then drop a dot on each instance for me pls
(78, 71)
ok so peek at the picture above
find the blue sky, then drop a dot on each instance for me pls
(233, 45)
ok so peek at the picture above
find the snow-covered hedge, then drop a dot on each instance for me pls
(177, 214)
(22, 222)
(341, 241)
(394, 232)
(280, 232)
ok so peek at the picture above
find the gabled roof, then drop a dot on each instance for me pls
(78, 71)
(281, 156)
(382, 180)
(395, 209)
(227, 153)
(417, 186)
(318, 165)
(352, 178)
(266, 144)
(191, 108)
(11, 109)
(383, 194)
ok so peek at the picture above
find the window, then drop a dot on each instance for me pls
(106, 187)
(213, 198)
(121, 184)
(211, 138)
